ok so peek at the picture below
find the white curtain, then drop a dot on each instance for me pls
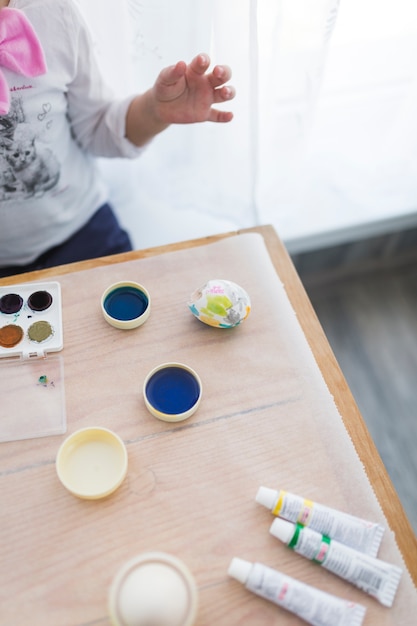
(296, 154)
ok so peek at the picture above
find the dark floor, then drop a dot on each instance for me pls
(365, 295)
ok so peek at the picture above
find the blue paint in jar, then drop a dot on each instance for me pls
(126, 303)
(172, 390)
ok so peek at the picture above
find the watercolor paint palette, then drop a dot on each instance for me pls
(30, 320)
(31, 374)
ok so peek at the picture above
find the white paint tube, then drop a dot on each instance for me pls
(347, 529)
(310, 604)
(377, 578)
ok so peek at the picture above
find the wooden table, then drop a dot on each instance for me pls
(326, 361)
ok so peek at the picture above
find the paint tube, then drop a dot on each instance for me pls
(378, 578)
(312, 605)
(352, 531)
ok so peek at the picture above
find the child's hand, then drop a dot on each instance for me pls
(184, 94)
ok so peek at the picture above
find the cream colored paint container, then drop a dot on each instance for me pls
(92, 463)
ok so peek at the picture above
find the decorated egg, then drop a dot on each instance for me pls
(220, 303)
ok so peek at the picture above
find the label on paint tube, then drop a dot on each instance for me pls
(347, 529)
(377, 578)
(316, 607)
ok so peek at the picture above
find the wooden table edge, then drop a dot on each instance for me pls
(317, 340)
(345, 402)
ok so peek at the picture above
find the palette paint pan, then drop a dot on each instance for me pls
(30, 320)
(172, 392)
(32, 391)
(126, 305)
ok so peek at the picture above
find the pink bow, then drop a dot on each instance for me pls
(20, 51)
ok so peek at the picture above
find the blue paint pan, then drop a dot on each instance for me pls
(172, 392)
(126, 305)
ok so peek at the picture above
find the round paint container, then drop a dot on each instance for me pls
(11, 303)
(172, 392)
(92, 463)
(40, 331)
(40, 300)
(126, 305)
(10, 335)
(154, 588)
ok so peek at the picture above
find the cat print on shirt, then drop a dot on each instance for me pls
(8, 183)
(27, 168)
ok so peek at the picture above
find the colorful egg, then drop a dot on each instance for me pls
(220, 303)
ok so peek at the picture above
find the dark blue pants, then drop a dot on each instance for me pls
(101, 236)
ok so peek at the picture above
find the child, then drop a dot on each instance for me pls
(57, 114)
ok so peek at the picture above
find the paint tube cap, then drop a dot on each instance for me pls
(239, 570)
(267, 497)
(154, 588)
(283, 530)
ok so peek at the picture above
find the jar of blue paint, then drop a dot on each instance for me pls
(126, 305)
(172, 392)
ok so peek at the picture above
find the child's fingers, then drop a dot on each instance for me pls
(220, 75)
(221, 117)
(200, 63)
(223, 94)
(170, 75)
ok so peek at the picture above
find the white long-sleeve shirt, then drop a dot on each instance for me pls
(57, 123)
